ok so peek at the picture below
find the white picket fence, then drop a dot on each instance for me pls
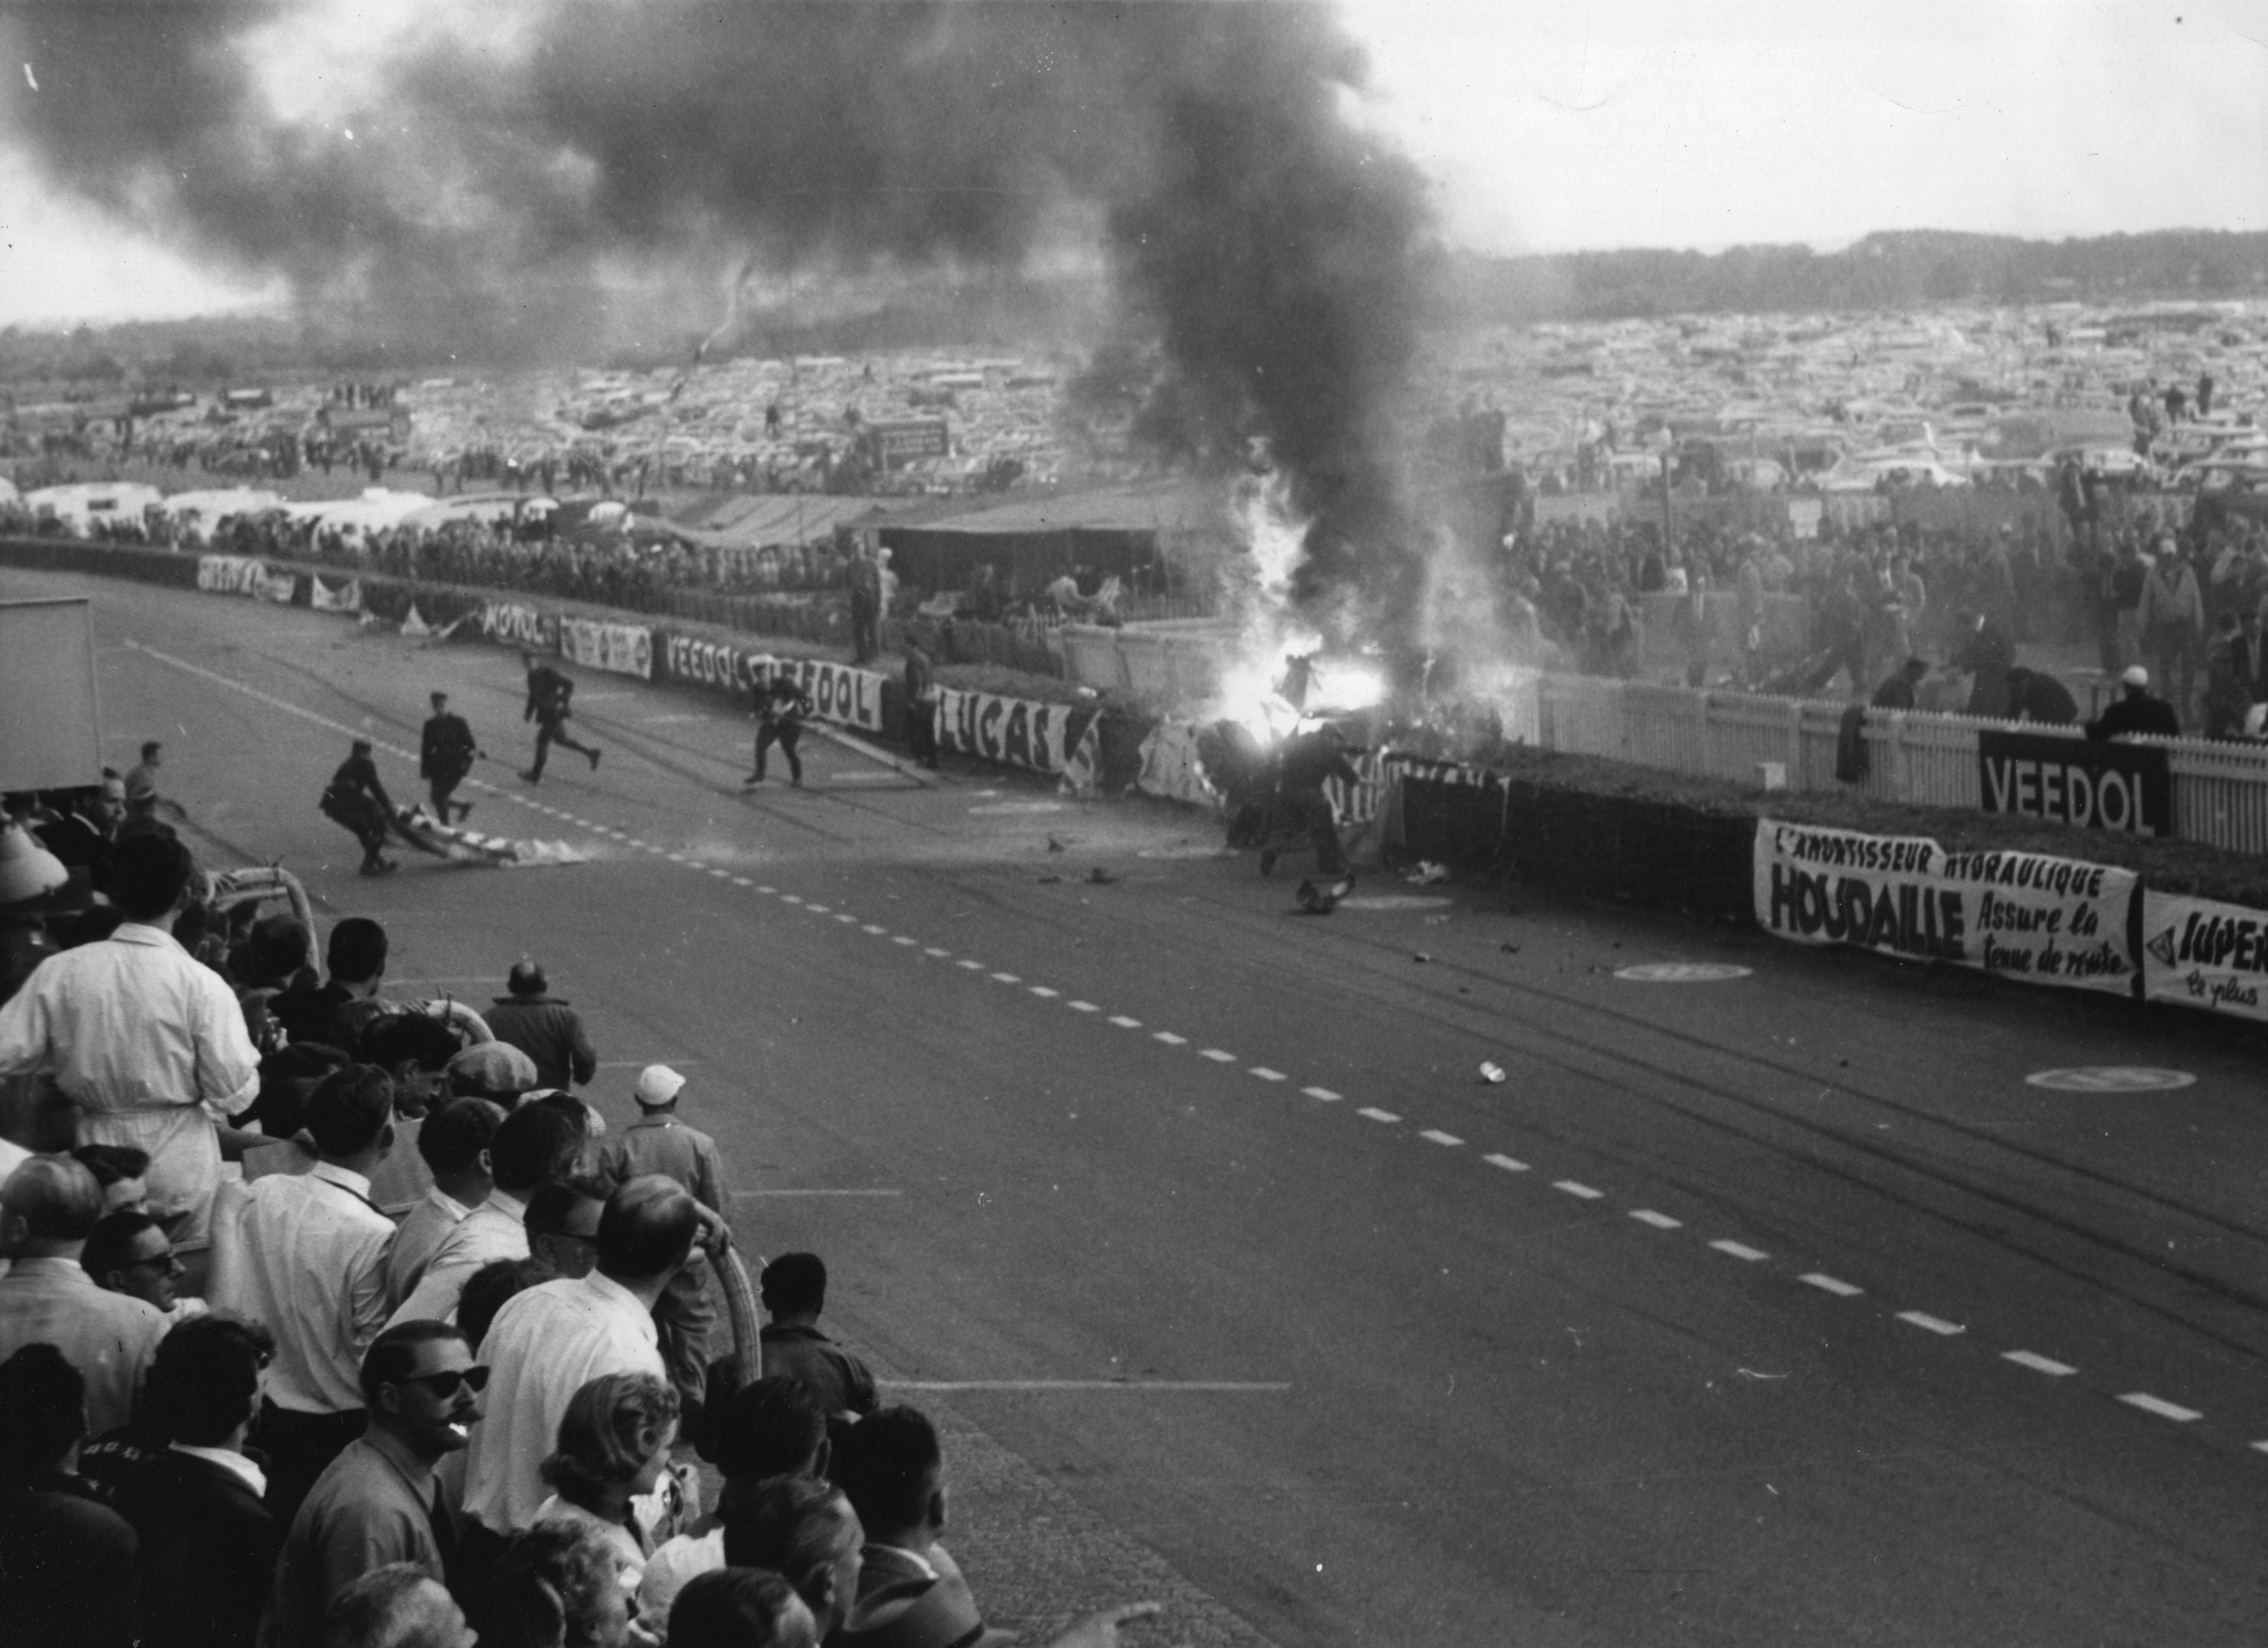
(2220, 790)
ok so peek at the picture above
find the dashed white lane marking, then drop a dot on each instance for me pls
(1043, 991)
(1170, 1039)
(1217, 1055)
(1929, 1324)
(1438, 1137)
(901, 938)
(879, 932)
(1376, 1114)
(2159, 1406)
(2259, 1447)
(1576, 1189)
(1660, 1221)
(2039, 1363)
(1741, 1250)
(1006, 978)
(1267, 1074)
(1082, 1007)
(1505, 1163)
(722, 875)
(1324, 1093)
(2110, 1078)
(676, 858)
(942, 955)
(742, 881)
(846, 917)
(1835, 1285)
(1124, 1023)
(789, 898)
(972, 966)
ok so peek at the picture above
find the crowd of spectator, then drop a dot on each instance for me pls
(335, 1320)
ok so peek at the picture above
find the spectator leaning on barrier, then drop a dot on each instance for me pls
(793, 1288)
(148, 1043)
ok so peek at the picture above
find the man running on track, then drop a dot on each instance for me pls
(445, 755)
(548, 692)
(356, 800)
(781, 705)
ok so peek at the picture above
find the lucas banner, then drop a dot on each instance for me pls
(2021, 915)
(2080, 781)
(623, 649)
(2203, 954)
(1015, 732)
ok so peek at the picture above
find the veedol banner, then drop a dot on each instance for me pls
(230, 575)
(2022, 915)
(839, 693)
(346, 598)
(623, 649)
(2204, 954)
(1015, 732)
(2076, 781)
(708, 663)
(516, 625)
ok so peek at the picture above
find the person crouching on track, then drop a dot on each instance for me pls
(445, 756)
(549, 695)
(356, 800)
(781, 705)
(1308, 762)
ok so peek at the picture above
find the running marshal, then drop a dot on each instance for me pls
(2023, 915)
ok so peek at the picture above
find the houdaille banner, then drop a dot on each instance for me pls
(2020, 915)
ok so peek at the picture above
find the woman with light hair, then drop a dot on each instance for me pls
(613, 1451)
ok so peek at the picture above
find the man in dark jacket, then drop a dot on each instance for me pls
(356, 800)
(2034, 695)
(547, 1030)
(2136, 711)
(781, 705)
(445, 755)
(1897, 692)
(1309, 761)
(549, 694)
(921, 704)
(1987, 655)
(67, 1561)
(208, 1544)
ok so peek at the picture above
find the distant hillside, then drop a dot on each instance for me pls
(1906, 270)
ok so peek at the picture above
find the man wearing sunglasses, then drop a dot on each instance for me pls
(379, 1503)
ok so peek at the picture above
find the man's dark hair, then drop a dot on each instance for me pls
(527, 978)
(43, 1410)
(770, 1427)
(149, 875)
(795, 1284)
(205, 1377)
(349, 1107)
(578, 1112)
(273, 951)
(888, 1465)
(111, 1164)
(357, 949)
(790, 1525)
(151, 749)
(453, 1136)
(110, 1245)
(548, 1207)
(492, 1287)
(535, 1145)
(732, 1607)
(418, 1038)
(393, 1353)
(648, 1227)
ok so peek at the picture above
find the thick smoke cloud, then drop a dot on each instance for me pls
(491, 182)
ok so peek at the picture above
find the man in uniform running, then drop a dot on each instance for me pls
(548, 693)
(445, 755)
(781, 705)
(356, 800)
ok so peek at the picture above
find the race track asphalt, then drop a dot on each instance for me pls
(1779, 1309)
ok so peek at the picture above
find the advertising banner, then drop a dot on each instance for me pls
(346, 597)
(623, 649)
(514, 626)
(1172, 768)
(2021, 915)
(839, 693)
(2204, 954)
(713, 664)
(1015, 732)
(2076, 781)
(277, 587)
(229, 574)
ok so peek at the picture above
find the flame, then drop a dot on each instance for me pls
(1269, 634)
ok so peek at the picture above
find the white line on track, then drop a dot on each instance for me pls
(1324, 1093)
(1169, 1039)
(1741, 1250)
(1576, 1189)
(942, 955)
(1436, 1136)
(1377, 1115)
(768, 891)
(2038, 1363)
(1835, 1285)
(846, 917)
(1043, 991)
(972, 966)
(1082, 1007)
(1006, 978)
(901, 938)
(789, 898)
(1505, 1163)
(2159, 1406)
(1929, 1324)
(1660, 1221)
(1267, 1074)
(1219, 1055)
(879, 932)
(1124, 1023)
(742, 881)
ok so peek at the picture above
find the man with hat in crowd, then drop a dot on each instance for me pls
(358, 801)
(2136, 711)
(547, 1030)
(492, 1069)
(659, 1142)
(446, 753)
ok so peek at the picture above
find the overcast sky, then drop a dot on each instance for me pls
(1603, 124)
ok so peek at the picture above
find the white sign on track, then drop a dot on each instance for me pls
(1681, 972)
(2110, 1078)
(1393, 901)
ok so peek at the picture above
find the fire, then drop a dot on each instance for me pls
(1282, 673)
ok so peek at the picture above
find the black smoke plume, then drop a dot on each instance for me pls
(514, 175)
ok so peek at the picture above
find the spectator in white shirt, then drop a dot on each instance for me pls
(148, 1042)
(312, 1266)
(548, 1343)
(454, 1142)
(533, 1146)
(49, 1207)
